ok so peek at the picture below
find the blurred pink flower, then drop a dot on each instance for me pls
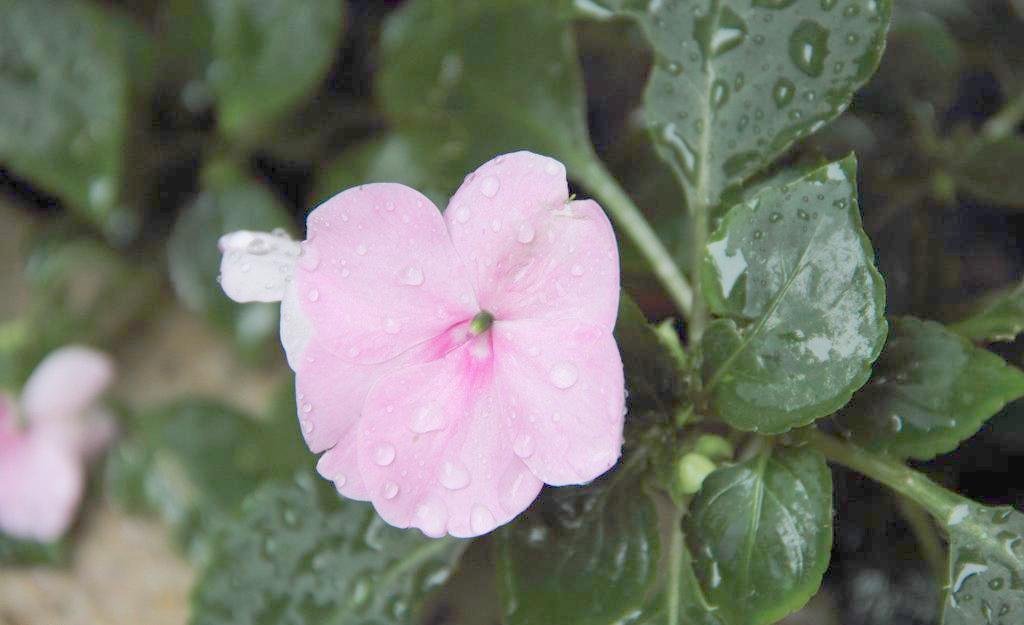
(47, 439)
(449, 366)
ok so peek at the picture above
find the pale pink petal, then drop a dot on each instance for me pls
(534, 254)
(562, 383)
(296, 328)
(97, 430)
(257, 266)
(66, 383)
(435, 447)
(41, 483)
(382, 274)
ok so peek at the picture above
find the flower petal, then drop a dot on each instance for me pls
(563, 385)
(257, 266)
(383, 275)
(296, 328)
(533, 253)
(435, 449)
(66, 383)
(41, 483)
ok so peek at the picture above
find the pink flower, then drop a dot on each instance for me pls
(46, 441)
(449, 366)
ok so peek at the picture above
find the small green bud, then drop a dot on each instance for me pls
(714, 446)
(481, 323)
(691, 471)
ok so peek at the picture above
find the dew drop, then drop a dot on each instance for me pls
(310, 258)
(775, 218)
(361, 250)
(384, 455)
(391, 326)
(523, 446)
(412, 275)
(490, 186)
(525, 233)
(496, 225)
(552, 167)
(564, 375)
(427, 419)
(577, 270)
(313, 295)
(390, 490)
(481, 520)
(453, 475)
(431, 518)
(307, 408)
(783, 92)
(462, 214)
(808, 47)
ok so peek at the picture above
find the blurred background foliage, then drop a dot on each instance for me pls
(134, 133)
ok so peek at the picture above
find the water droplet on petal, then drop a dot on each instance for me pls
(384, 455)
(481, 520)
(412, 275)
(462, 214)
(577, 270)
(552, 167)
(525, 234)
(390, 490)
(490, 185)
(564, 375)
(353, 352)
(523, 446)
(453, 475)
(307, 426)
(361, 250)
(310, 258)
(340, 480)
(496, 225)
(391, 326)
(431, 517)
(307, 408)
(427, 419)
(313, 295)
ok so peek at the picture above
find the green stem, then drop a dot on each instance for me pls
(699, 316)
(927, 538)
(1006, 120)
(907, 482)
(628, 216)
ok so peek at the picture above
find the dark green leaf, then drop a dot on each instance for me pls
(193, 462)
(736, 83)
(931, 389)
(656, 384)
(582, 555)
(986, 566)
(63, 101)
(302, 555)
(14, 552)
(229, 201)
(484, 78)
(761, 534)
(1000, 319)
(793, 272)
(990, 170)
(268, 55)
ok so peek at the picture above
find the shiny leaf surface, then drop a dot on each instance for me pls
(761, 534)
(1001, 318)
(736, 83)
(299, 554)
(930, 390)
(792, 274)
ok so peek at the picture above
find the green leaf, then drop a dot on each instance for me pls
(409, 157)
(193, 461)
(583, 556)
(761, 534)
(484, 78)
(1001, 318)
(990, 170)
(229, 201)
(656, 384)
(268, 55)
(15, 552)
(792, 270)
(736, 83)
(301, 555)
(63, 104)
(681, 601)
(986, 566)
(931, 389)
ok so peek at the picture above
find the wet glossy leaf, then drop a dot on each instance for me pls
(655, 382)
(63, 101)
(268, 55)
(793, 274)
(1001, 318)
(990, 171)
(484, 78)
(736, 83)
(408, 157)
(930, 390)
(761, 534)
(299, 554)
(193, 462)
(229, 201)
(986, 566)
(583, 556)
